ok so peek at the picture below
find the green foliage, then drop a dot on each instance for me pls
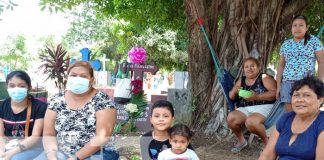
(135, 109)
(14, 53)
(141, 101)
(55, 64)
(135, 157)
(115, 26)
(315, 15)
(7, 5)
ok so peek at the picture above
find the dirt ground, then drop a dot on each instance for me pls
(207, 148)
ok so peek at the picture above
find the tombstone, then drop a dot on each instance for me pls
(142, 123)
(3, 91)
(102, 78)
(181, 102)
(180, 80)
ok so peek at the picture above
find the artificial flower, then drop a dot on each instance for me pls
(137, 55)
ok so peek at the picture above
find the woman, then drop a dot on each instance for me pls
(81, 120)
(300, 134)
(254, 108)
(21, 120)
(297, 58)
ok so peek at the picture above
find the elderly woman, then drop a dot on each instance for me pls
(253, 106)
(79, 124)
(21, 119)
(300, 134)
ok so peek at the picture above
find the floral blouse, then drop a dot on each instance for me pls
(75, 128)
(300, 59)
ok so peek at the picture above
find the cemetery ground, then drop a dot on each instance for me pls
(207, 148)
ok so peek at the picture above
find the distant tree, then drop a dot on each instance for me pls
(14, 53)
(115, 35)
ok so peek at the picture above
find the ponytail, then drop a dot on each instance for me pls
(306, 38)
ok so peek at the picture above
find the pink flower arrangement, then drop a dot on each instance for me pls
(137, 55)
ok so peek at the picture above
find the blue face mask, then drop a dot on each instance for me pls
(17, 94)
(77, 85)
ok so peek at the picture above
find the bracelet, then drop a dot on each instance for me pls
(21, 147)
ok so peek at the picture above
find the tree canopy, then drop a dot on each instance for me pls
(14, 53)
(114, 27)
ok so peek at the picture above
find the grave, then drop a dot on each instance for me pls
(138, 70)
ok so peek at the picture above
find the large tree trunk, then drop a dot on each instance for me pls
(237, 29)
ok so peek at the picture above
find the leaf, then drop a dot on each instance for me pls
(12, 3)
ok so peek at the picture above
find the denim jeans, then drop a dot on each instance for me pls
(107, 155)
(28, 154)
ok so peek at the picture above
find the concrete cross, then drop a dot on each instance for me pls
(85, 52)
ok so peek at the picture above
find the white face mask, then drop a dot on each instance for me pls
(77, 85)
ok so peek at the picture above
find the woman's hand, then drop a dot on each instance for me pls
(278, 93)
(254, 97)
(7, 155)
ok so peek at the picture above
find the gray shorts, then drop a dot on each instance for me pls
(285, 90)
(263, 109)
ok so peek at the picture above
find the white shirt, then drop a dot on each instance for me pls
(169, 155)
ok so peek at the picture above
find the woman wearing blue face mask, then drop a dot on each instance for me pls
(21, 120)
(79, 123)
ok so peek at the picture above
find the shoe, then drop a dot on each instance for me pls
(238, 148)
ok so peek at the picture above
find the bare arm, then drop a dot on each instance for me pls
(2, 137)
(320, 146)
(281, 67)
(106, 120)
(235, 89)
(269, 152)
(320, 61)
(32, 140)
(49, 140)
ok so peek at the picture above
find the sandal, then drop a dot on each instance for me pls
(238, 148)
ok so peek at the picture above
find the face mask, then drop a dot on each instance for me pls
(77, 85)
(17, 94)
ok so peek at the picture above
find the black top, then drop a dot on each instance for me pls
(150, 148)
(258, 88)
(14, 124)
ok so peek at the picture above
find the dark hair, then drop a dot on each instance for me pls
(84, 64)
(257, 62)
(302, 17)
(181, 130)
(312, 82)
(163, 104)
(20, 74)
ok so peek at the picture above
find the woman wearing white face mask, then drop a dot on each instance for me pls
(79, 123)
(21, 120)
